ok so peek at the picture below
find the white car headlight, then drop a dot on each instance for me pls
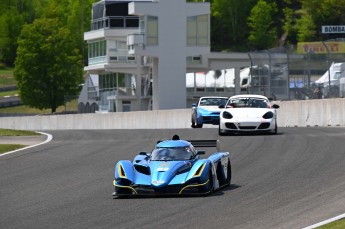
(268, 115)
(227, 115)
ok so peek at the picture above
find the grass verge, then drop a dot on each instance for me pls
(9, 93)
(6, 78)
(4, 148)
(8, 132)
(339, 224)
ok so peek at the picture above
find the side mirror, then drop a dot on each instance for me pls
(221, 106)
(143, 153)
(275, 106)
(200, 152)
(194, 105)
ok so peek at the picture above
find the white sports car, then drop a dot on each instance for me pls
(248, 113)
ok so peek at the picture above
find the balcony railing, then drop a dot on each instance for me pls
(97, 60)
(115, 22)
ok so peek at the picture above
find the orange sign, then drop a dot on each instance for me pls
(320, 47)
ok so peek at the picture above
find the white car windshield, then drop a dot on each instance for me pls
(248, 102)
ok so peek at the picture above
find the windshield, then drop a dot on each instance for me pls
(248, 102)
(212, 101)
(170, 154)
(337, 75)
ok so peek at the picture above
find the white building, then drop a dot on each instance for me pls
(141, 50)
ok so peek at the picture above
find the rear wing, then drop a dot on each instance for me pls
(206, 143)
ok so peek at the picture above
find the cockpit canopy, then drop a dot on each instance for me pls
(172, 153)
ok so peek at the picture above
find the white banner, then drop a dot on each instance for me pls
(333, 29)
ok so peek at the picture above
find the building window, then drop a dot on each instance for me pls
(107, 87)
(197, 30)
(97, 52)
(97, 48)
(152, 30)
(114, 84)
(126, 106)
(121, 45)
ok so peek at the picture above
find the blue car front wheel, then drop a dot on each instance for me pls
(195, 124)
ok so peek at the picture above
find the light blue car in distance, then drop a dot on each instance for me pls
(207, 110)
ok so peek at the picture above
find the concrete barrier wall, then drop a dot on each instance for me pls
(323, 112)
(320, 112)
(158, 119)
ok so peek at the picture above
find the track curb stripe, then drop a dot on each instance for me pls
(326, 221)
(49, 138)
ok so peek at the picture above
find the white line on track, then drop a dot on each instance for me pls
(326, 222)
(49, 138)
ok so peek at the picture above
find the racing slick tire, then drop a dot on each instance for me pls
(193, 119)
(199, 125)
(275, 131)
(220, 133)
(195, 124)
(210, 178)
(228, 177)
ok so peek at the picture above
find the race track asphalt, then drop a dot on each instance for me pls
(290, 180)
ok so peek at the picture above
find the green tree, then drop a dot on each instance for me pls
(13, 15)
(306, 29)
(74, 15)
(314, 14)
(284, 19)
(78, 21)
(229, 24)
(48, 66)
(262, 33)
(9, 31)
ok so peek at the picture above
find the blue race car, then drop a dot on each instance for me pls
(174, 167)
(207, 111)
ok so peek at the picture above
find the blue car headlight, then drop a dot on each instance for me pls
(184, 169)
(227, 115)
(268, 115)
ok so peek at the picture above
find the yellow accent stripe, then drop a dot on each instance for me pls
(200, 171)
(193, 185)
(121, 171)
(120, 186)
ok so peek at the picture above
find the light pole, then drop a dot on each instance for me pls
(329, 69)
(308, 56)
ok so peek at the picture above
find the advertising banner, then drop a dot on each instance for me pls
(320, 47)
